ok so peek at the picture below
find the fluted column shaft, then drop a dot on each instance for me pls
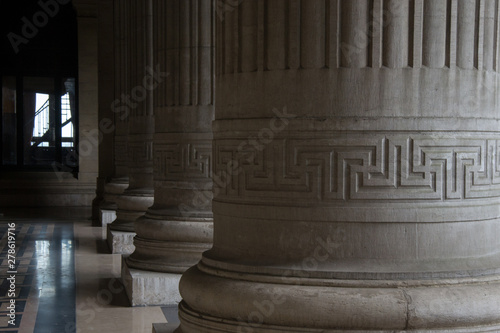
(136, 105)
(358, 145)
(119, 182)
(178, 227)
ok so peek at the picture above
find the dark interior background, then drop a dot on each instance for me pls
(52, 52)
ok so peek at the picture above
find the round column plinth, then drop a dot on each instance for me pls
(132, 204)
(170, 244)
(260, 303)
(112, 191)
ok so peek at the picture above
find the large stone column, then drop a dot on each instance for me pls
(137, 105)
(178, 227)
(119, 182)
(357, 170)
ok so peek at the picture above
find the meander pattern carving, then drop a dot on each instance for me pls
(140, 152)
(183, 161)
(357, 168)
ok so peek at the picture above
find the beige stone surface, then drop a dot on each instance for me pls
(150, 288)
(120, 242)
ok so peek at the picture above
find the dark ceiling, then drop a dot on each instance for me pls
(44, 32)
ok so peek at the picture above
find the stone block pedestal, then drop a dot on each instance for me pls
(120, 242)
(150, 288)
(106, 216)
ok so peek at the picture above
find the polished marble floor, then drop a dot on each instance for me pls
(65, 280)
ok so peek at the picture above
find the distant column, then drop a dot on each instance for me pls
(119, 182)
(137, 107)
(178, 227)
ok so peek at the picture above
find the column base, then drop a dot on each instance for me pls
(132, 204)
(256, 303)
(165, 328)
(150, 288)
(120, 242)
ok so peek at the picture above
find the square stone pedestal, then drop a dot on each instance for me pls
(106, 216)
(150, 288)
(164, 328)
(120, 242)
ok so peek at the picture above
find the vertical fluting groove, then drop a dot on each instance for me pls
(496, 49)
(185, 53)
(121, 68)
(231, 36)
(240, 38)
(453, 48)
(117, 33)
(220, 31)
(396, 33)
(327, 33)
(411, 35)
(164, 56)
(171, 53)
(448, 39)
(312, 34)
(124, 56)
(418, 24)
(275, 55)
(293, 58)
(489, 35)
(130, 47)
(434, 33)
(141, 45)
(375, 33)
(194, 52)
(205, 52)
(248, 36)
(127, 57)
(145, 43)
(236, 47)
(260, 34)
(354, 33)
(479, 35)
(333, 34)
(266, 35)
(228, 43)
(213, 60)
(136, 60)
(176, 50)
(139, 52)
(285, 34)
(466, 24)
(157, 42)
(158, 57)
(370, 32)
(149, 53)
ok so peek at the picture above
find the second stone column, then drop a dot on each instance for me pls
(138, 107)
(178, 227)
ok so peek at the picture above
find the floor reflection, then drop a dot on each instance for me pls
(67, 282)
